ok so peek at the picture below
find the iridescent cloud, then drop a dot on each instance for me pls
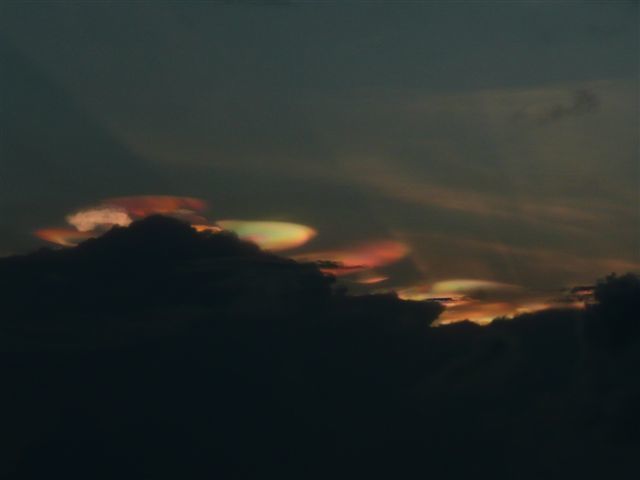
(65, 237)
(144, 205)
(456, 288)
(468, 286)
(358, 258)
(274, 236)
(121, 211)
(370, 278)
(99, 217)
(476, 311)
(481, 301)
(206, 228)
(483, 312)
(419, 292)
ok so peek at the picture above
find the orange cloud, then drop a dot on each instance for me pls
(566, 261)
(370, 278)
(274, 236)
(206, 228)
(481, 301)
(362, 257)
(476, 311)
(469, 286)
(455, 288)
(66, 237)
(145, 205)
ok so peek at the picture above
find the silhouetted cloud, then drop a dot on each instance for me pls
(158, 351)
(613, 317)
(159, 263)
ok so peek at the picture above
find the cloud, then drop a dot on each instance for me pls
(269, 235)
(395, 184)
(160, 260)
(475, 300)
(141, 206)
(472, 286)
(358, 258)
(569, 264)
(370, 277)
(56, 152)
(274, 236)
(66, 237)
(483, 301)
(92, 219)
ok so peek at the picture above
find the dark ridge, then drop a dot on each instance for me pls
(159, 352)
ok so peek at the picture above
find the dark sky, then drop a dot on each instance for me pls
(498, 141)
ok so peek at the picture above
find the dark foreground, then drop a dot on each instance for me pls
(154, 352)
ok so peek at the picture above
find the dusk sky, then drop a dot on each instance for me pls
(450, 142)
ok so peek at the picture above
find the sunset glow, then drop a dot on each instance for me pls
(470, 285)
(370, 278)
(476, 300)
(359, 258)
(299, 239)
(475, 311)
(65, 237)
(207, 228)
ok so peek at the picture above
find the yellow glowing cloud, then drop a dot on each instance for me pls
(362, 257)
(470, 286)
(476, 311)
(417, 292)
(457, 296)
(274, 236)
(425, 292)
(100, 217)
(206, 228)
(66, 237)
(145, 205)
(458, 307)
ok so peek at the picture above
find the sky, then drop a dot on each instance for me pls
(482, 149)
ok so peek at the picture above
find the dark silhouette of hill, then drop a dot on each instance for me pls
(158, 352)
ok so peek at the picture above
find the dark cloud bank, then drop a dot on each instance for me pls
(156, 352)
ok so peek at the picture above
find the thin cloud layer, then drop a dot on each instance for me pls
(66, 237)
(485, 145)
(582, 101)
(359, 257)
